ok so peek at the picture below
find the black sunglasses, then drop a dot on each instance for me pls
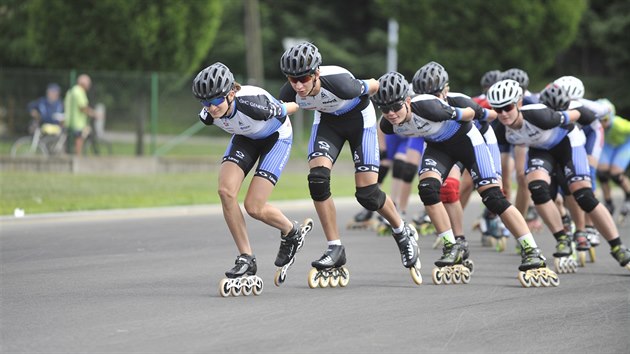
(392, 107)
(505, 108)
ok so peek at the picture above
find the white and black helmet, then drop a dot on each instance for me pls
(504, 92)
(214, 81)
(301, 59)
(490, 77)
(572, 85)
(430, 78)
(555, 97)
(393, 87)
(517, 75)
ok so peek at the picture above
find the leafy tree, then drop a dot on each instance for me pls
(473, 36)
(165, 35)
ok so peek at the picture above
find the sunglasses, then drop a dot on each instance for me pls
(303, 79)
(395, 107)
(213, 102)
(504, 108)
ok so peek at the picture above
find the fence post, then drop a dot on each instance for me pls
(154, 111)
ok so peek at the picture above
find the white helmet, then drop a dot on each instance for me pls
(572, 85)
(504, 92)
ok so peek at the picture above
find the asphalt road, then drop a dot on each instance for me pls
(147, 281)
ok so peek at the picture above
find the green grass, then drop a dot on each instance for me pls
(37, 192)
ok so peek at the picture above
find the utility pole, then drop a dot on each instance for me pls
(253, 43)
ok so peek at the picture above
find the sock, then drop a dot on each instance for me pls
(447, 236)
(399, 230)
(334, 243)
(527, 241)
(615, 242)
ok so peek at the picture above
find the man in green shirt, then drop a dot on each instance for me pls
(77, 111)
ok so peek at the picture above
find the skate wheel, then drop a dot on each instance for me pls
(544, 280)
(436, 275)
(236, 288)
(554, 280)
(558, 265)
(582, 258)
(313, 278)
(247, 286)
(447, 277)
(591, 254)
(225, 287)
(334, 279)
(524, 279)
(535, 279)
(492, 241)
(344, 276)
(279, 278)
(257, 285)
(457, 278)
(415, 272)
(466, 276)
(470, 265)
(324, 280)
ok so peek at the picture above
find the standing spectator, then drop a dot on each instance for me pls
(77, 112)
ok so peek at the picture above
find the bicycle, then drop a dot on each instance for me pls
(47, 140)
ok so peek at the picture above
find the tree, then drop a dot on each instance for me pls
(164, 35)
(474, 36)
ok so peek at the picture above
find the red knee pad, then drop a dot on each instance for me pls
(449, 192)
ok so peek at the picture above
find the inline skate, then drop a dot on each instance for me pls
(407, 242)
(622, 255)
(594, 239)
(534, 272)
(449, 268)
(568, 224)
(564, 260)
(582, 246)
(423, 224)
(329, 269)
(493, 231)
(383, 227)
(290, 245)
(242, 278)
(362, 221)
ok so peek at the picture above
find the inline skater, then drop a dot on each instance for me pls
(553, 141)
(261, 131)
(343, 113)
(450, 137)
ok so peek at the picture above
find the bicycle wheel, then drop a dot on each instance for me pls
(24, 147)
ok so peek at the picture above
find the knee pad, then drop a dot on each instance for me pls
(319, 183)
(541, 191)
(449, 192)
(494, 200)
(586, 199)
(370, 197)
(409, 172)
(616, 178)
(603, 176)
(382, 173)
(429, 190)
(397, 168)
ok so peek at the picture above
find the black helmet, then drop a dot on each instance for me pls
(299, 60)
(213, 81)
(431, 78)
(555, 97)
(393, 87)
(489, 78)
(517, 75)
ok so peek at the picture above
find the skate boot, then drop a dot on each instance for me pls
(563, 261)
(582, 246)
(468, 263)
(362, 220)
(289, 247)
(449, 268)
(488, 225)
(622, 255)
(329, 269)
(533, 220)
(593, 236)
(533, 271)
(242, 278)
(568, 224)
(423, 224)
(408, 245)
(623, 213)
